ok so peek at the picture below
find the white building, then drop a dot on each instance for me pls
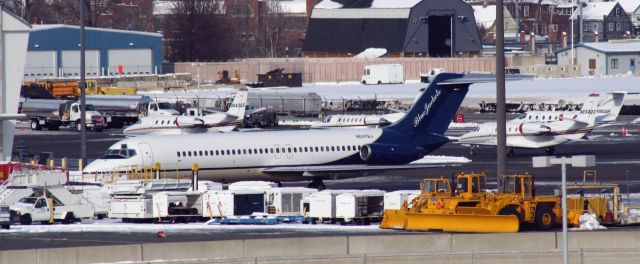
(14, 35)
(604, 58)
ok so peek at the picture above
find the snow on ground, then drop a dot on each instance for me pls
(572, 90)
(111, 225)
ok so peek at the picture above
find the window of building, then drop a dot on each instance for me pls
(617, 11)
(585, 27)
(614, 63)
(592, 64)
(610, 26)
(525, 11)
(594, 27)
(618, 26)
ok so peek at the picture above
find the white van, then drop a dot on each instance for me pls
(382, 73)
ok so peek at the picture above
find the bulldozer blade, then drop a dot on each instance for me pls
(394, 219)
(462, 223)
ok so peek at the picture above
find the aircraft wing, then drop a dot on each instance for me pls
(360, 169)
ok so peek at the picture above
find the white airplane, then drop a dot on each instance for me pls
(547, 129)
(300, 154)
(357, 121)
(173, 125)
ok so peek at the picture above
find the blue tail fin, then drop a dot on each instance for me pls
(434, 109)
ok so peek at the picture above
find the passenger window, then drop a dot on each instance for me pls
(250, 152)
(343, 148)
(277, 150)
(289, 150)
(260, 151)
(233, 152)
(178, 153)
(542, 117)
(306, 149)
(200, 153)
(210, 152)
(156, 122)
(189, 153)
(206, 153)
(244, 151)
(184, 154)
(529, 117)
(228, 152)
(333, 148)
(217, 153)
(317, 149)
(295, 150)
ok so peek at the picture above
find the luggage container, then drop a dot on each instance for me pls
(322, 205)
(360, 207)
(394, 200)
(177, 206)
(286, 200)
(233, 203)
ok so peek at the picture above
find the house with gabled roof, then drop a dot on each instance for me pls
(607, 20)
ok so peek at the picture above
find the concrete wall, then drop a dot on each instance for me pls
(532, 247)
(333, 69)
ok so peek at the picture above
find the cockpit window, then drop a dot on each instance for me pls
(119, 154)
(165, 105)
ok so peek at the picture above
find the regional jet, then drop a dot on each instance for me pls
(296, 155)
(172, 125)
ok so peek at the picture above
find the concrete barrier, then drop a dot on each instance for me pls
(343, 259)
(526, 258)
(58, 255)
(18, 256)
(455, 258)
(505, 242)
(118, 253)
(601, 239)
(193, 250)
(303, 246)
(400, 244)
(625, 257)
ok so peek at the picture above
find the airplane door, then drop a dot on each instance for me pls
(289, 153)
(147, 154)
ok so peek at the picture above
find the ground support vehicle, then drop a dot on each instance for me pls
(120, 110)
(53, 113)
(382, 74)
(5, 217)
(50, 204)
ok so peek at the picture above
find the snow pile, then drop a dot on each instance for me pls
(372, 53)
(429, 159)
(629, 218)
(589, 222)
(328, 4)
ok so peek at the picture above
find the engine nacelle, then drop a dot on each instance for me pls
(388, 154)
(189, 122)
(534, 129)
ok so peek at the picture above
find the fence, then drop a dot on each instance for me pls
(332, 69)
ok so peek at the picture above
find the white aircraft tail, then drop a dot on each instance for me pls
(606, 111)
(239, 104)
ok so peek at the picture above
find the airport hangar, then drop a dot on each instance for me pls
(414, 28)
(54, 51)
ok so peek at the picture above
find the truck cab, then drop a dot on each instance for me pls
(94, 120)
(159, 109)
(43, 206)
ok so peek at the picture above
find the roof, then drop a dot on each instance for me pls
(355, 35)
(334, 4)
(358, 13)
(293, 6)
(629, 6)
(595, 10)
(627, 46)
(36, 28)
(485, 16)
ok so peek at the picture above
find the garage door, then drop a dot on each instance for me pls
(40, 64)
(131, 61)
(71, 63)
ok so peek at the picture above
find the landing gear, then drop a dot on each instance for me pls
(549, 150)
(473, 150)
(317, 183)
(510, 153)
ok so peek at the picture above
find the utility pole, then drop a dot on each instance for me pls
(581, 29)
(501, 117)
(83, 112)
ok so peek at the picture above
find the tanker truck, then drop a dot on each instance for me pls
(120, 110)
(54, 113)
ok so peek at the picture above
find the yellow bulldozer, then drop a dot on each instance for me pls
(468, 207)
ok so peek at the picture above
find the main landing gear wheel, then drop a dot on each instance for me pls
(317, 184)
(510, 153)
(473, 150)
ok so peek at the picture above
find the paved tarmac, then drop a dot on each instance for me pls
(618, 161)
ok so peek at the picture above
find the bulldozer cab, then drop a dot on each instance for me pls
(471, 185)
(519, 185)
(436, 187)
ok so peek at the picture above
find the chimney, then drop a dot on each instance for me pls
(564, 40)
(522, 39)
(491, 37)
(310, 5)
(532, 42)
(596, 36)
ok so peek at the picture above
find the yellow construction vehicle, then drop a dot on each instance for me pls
(470, 208)
(92, 88)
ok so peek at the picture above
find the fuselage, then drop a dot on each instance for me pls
(174, 125)
(221, 157)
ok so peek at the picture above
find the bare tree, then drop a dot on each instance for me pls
(196, 30)
(278, 31)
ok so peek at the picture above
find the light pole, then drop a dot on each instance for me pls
(197, 65)
(575, 161)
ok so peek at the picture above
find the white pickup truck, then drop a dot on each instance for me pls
(39, 209)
